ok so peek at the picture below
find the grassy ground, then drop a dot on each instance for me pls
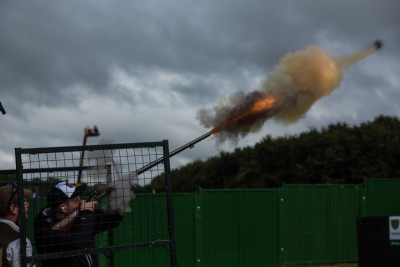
(323, 265)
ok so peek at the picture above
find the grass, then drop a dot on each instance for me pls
(323, 265)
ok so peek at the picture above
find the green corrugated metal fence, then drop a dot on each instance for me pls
(261, 227)
(318, 223)
(382, 197)
(268, 227)
(239, 228)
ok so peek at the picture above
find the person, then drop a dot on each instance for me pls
(70, 223)
(9, 226)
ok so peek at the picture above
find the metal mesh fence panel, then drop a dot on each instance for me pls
(119, 221)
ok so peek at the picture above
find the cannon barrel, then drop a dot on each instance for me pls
(173, 153)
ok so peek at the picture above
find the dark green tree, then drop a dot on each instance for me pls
(337, 153)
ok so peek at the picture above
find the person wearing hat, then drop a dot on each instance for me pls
(9, 226)
(69, 223)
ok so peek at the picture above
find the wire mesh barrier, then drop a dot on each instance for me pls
(64, 225)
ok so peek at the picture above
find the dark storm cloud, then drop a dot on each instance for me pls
(50, 48)
(56, 55)
(352, 21)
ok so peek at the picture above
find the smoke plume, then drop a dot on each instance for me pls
(295, 84)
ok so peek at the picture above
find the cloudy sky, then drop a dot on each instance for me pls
(140, 70)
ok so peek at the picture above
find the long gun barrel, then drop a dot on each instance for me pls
(173, 153)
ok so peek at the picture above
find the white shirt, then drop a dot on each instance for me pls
(13, 253)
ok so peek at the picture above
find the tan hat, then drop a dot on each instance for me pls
(9, 192)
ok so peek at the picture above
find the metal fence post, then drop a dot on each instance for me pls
(364, 201)
(171, 223)
(21, 206)
(282, 231)
(110, 232)
(198, 229)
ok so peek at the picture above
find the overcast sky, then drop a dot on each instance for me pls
(140, 70)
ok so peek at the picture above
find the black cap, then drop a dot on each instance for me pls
(62, 192)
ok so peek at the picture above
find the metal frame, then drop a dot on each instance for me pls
(20, 171)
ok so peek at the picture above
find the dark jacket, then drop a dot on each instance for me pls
(7, 236)
(80, 237)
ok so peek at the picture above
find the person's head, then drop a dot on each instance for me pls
(64, 198)
(9, 202)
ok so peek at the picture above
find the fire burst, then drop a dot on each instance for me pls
(247, 115)
(296, 83)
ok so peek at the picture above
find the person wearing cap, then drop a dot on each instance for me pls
(69, 223)
(9, 226)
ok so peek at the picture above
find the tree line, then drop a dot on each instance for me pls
(336, 154)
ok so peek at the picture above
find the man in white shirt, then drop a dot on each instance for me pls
(10, 248)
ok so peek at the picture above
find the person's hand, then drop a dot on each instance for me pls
(87, 205)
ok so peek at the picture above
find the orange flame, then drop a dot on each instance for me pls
(263, 104)
(259, 106)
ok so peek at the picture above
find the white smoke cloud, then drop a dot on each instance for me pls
(297, 82)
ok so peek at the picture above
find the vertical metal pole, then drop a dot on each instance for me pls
(37, 199)
(282, 222)
(364, 200)
(82, 158)
(198, 229)
(171, 225)
(21, 206)
(110, 232)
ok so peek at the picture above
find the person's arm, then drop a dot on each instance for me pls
(50, 238)
(106, 221)
(68, 222)
(76, 238)
(13, 254)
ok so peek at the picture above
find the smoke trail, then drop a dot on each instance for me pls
(296, 83)
(121, 195)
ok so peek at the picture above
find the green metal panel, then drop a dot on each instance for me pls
(147, 227)
(259, 233)
(240, 228)
(184, 212)
(318, 223)
(157, 256)
(220, 228)
(382, 197)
